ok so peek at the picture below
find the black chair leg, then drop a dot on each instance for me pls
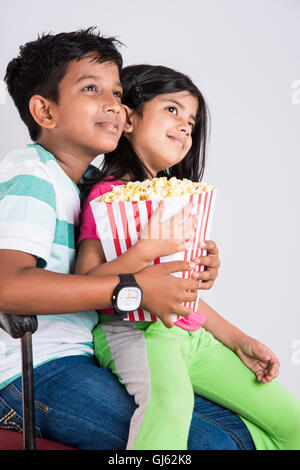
(29, 440)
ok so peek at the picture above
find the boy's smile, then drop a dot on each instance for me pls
(89, 117)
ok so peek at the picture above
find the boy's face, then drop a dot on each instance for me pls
(89, 115)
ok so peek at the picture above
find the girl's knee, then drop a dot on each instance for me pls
(173, 400)
(288, 432)
(294, 432)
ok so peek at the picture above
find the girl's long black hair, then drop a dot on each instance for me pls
(142, 83)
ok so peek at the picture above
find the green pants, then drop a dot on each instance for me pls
(163, 368)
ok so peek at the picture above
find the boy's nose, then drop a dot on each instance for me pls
(113, 105)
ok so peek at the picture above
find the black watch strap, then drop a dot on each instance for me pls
(127, 279)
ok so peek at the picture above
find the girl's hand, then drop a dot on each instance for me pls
(211, 263)
(259, 358)
(166, 238)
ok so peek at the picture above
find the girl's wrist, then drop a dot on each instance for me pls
(232, 337)
(239, 340)
(144, 251)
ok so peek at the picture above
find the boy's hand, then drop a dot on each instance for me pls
(211, 263)
(259, 358)
(163, 293)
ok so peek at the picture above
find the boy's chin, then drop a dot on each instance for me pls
(106, 147)
(102, 150)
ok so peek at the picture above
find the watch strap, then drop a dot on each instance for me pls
(127, 279)
(119, 315)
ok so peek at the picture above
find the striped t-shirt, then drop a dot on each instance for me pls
(39, 209)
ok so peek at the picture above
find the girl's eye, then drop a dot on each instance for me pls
(90, 88)
(172, 109)
(192, 125)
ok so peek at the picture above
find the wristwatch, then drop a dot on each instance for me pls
(127, 296)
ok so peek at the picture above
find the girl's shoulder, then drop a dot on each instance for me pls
(102, 187)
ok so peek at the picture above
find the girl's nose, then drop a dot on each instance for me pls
(185, 127)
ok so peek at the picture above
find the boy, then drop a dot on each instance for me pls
(67, 90)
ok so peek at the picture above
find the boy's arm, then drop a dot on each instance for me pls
(27, 290)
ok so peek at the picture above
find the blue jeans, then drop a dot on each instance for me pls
(80, 404)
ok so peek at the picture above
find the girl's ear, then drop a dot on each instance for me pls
(128, 124)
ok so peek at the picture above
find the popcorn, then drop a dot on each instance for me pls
(157, 188)
(121, 214)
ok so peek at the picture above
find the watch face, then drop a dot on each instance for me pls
(129, 299)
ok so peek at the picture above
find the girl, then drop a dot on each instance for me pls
(165, 135)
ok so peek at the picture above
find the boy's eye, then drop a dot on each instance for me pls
(118, 94)
(90, 88)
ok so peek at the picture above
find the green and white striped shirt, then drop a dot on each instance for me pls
(39, 209)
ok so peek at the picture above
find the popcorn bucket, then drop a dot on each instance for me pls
(120, 224)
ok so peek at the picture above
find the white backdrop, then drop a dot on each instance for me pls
(244, 56)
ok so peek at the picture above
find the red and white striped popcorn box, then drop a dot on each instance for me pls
(120, 224)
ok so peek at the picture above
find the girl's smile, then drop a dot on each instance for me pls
(161, 134)
(177, 140)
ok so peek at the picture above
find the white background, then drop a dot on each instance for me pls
(245, 57)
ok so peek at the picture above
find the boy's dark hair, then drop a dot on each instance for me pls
(42, 64)
(142, 83)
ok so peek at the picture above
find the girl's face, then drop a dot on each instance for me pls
(161, 134)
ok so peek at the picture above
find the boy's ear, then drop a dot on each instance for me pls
(128, 123)
(41, 111)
